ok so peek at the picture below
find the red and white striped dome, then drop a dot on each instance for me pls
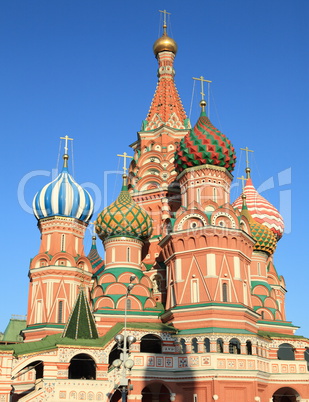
(261, 209)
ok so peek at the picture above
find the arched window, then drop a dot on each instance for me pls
(82, 366)
(234, 346)
(129, 304)
(151, 344)
(286, 352)
(194, 345)
(249, 347)
(220, 345)
(224, 292)
(183, 346)
(206, 345)
(128, 254)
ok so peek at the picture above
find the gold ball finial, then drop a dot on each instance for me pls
(165, 43)
(203, 103)
(248, 171)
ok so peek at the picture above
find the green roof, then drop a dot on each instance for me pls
(13, 329)
(53, 341)
(81, 323)
(211, 330)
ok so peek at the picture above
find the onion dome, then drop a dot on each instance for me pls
(204, 144)
(165, 43)
(264, 237)
(123, 218)
(261, 209)
(63, 197)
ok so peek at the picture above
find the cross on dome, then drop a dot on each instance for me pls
(125, 156)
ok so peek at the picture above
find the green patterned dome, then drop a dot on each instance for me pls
(123, 218)
(264, 237)
(204, 145)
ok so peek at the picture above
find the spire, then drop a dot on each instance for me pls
(94, 256)
(81, 323)
(166, 107)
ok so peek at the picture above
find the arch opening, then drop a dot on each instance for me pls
(82, 366)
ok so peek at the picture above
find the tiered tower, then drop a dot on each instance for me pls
(152, 175)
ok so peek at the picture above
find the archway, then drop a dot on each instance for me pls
(151, 344)
(82, 366)
(286, 352)
(156, 392)
(285, 394)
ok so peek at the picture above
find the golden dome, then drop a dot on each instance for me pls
(164, 43)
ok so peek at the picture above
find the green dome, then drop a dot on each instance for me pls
(123, 218)
(204, 145)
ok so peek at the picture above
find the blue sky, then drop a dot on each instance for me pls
(86, 69)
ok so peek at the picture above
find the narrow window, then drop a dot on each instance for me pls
(224, 292)
(128, 254)
(60, 311)
(215, 194)
(259, 268)
(194, 291)
(113, 254)
(198, 195)
(48, 242)
(173, 298)
(195, 398)
(62, 242)
(39, 311)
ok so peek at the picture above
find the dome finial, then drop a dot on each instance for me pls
(165, 43)
(203, 102)
(66, 149)
(165, 13)
(248, 170)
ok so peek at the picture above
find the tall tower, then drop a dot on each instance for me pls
(63, 209)
(152, 176)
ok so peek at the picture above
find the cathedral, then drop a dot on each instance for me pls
(187, 304)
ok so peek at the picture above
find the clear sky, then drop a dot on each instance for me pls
(85, 68)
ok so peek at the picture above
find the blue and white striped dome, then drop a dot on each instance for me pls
(63, 197)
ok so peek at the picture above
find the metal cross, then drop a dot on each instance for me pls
(164, 15)
(243, 179)
(125, 156)
(247, 156)
(66, 138)
(202, 79)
